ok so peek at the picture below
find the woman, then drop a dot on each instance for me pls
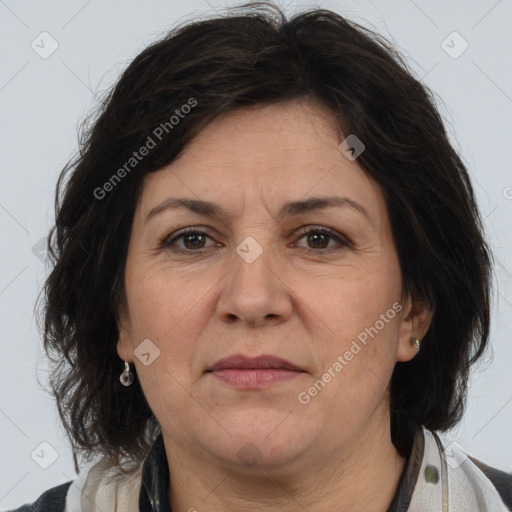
(270, 281)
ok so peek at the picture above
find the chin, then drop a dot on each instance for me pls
(259, 441)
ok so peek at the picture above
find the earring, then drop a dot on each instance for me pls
(416, 342)
(126, 377)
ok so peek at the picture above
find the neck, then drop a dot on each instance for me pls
(363, 476)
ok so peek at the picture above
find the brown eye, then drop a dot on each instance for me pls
(193, 240)
(319, 239)
(188, 240)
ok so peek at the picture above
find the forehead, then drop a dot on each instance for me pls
(260, 137)
(273, 154)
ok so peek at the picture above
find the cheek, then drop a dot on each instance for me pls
(347, 305)
(160, 301)
(357, 346)
(357, 320)
(166, 312)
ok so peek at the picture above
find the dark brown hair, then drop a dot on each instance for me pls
(255, 55)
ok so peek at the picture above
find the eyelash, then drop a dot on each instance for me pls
(168, 241)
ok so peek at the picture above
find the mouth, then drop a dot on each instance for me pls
(244, 372)
(263, 362)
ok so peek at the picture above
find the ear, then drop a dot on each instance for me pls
(124, 340)
(416, 318)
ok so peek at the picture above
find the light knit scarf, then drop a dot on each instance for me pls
(98, 489)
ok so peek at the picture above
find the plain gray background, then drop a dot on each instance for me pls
(43, 101)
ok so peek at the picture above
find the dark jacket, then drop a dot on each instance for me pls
(436, 478)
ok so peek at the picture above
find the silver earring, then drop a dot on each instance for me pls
(416, 342)
(126, 377)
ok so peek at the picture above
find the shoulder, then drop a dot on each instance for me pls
(104, 486)
(53, 500)
(501, 480)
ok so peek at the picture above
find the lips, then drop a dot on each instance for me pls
(253, 373)
(263, 362)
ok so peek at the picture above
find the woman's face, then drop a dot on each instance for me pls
(250, 281)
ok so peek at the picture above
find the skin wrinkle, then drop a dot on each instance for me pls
(299, 304)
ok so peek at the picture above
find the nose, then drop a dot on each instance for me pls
(255, 293)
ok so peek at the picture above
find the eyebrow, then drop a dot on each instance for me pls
(291, 208)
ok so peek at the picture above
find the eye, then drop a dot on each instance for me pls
(193, 240)
(320, 237)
